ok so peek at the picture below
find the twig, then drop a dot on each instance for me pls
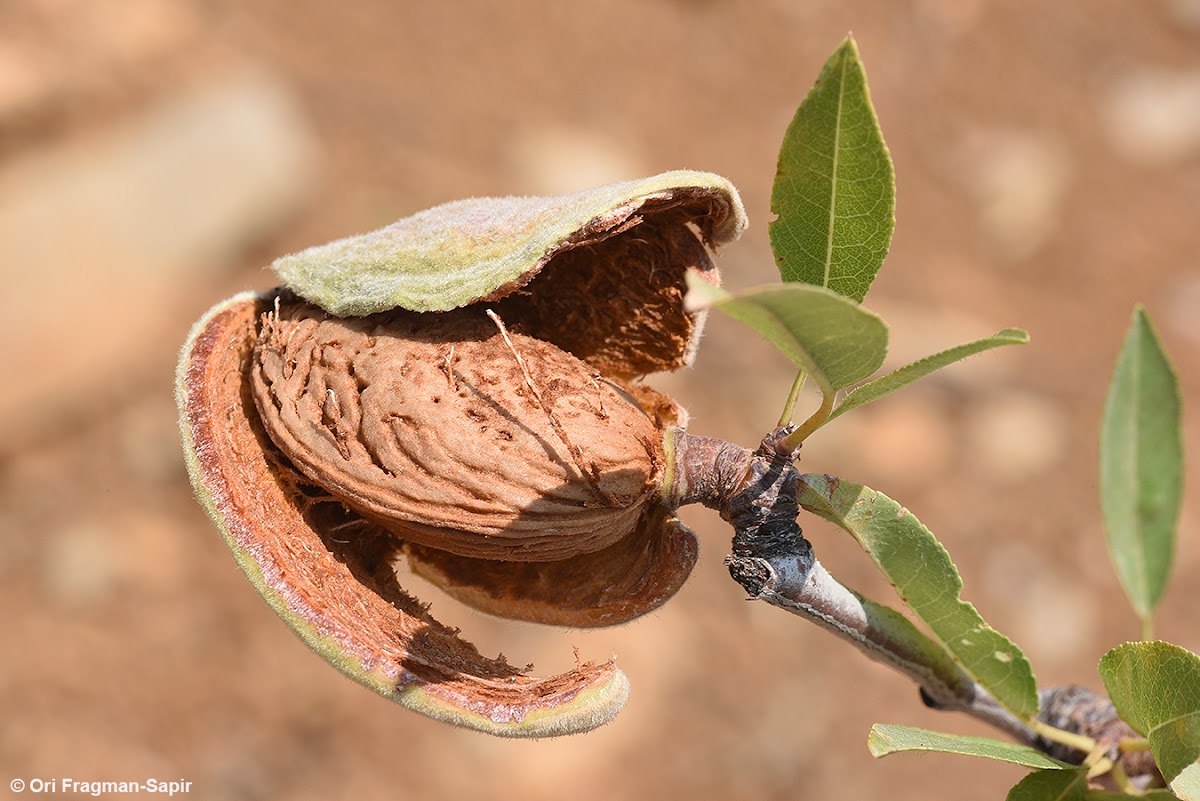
(878, 632)
(773, 562)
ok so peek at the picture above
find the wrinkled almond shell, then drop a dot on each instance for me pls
(429, 425)
(330, 575)
(633, 576)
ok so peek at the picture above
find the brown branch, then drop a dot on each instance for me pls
(756, 493)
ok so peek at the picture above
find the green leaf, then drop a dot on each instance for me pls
(1155, 687)
(834, 190)
(838, 342)
(921, 571)
(887, 384)
(1187, 784)
(1148, 795)
(1141, 466)
(1051, 785)
(887, 738)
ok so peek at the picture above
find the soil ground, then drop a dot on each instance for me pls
(1048, 167)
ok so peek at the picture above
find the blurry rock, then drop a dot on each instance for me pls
(1052, 614)
(1152, 116)
(61, 57)
(1019, 180)
(128, 33)
(15, 550)
(147, 441)
(1179, 306)
(912, 437)
(903, 441)
(774, 749)
(919, 330)
(87, 562)
(954, 19)
(104, 237)
(24, 80)
(554, 159)
(1185, 13)
(149, 556)
(80, 566)
(1016, 436)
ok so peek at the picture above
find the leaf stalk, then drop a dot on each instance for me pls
(1079, 742)
(789, 406)
(793, 440)
(1130, 745)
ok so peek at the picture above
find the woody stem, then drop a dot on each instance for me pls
(755, 491)
(773, 562)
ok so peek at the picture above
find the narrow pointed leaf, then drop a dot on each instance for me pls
(834, 190)
(921, 571)
(1155, 687)
(897, 379)
(1051, 785)
(1141, 465)
(887, 738)
(838, 342)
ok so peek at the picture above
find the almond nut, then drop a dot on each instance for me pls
(461, 391)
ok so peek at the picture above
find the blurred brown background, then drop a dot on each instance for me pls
(154, 155)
